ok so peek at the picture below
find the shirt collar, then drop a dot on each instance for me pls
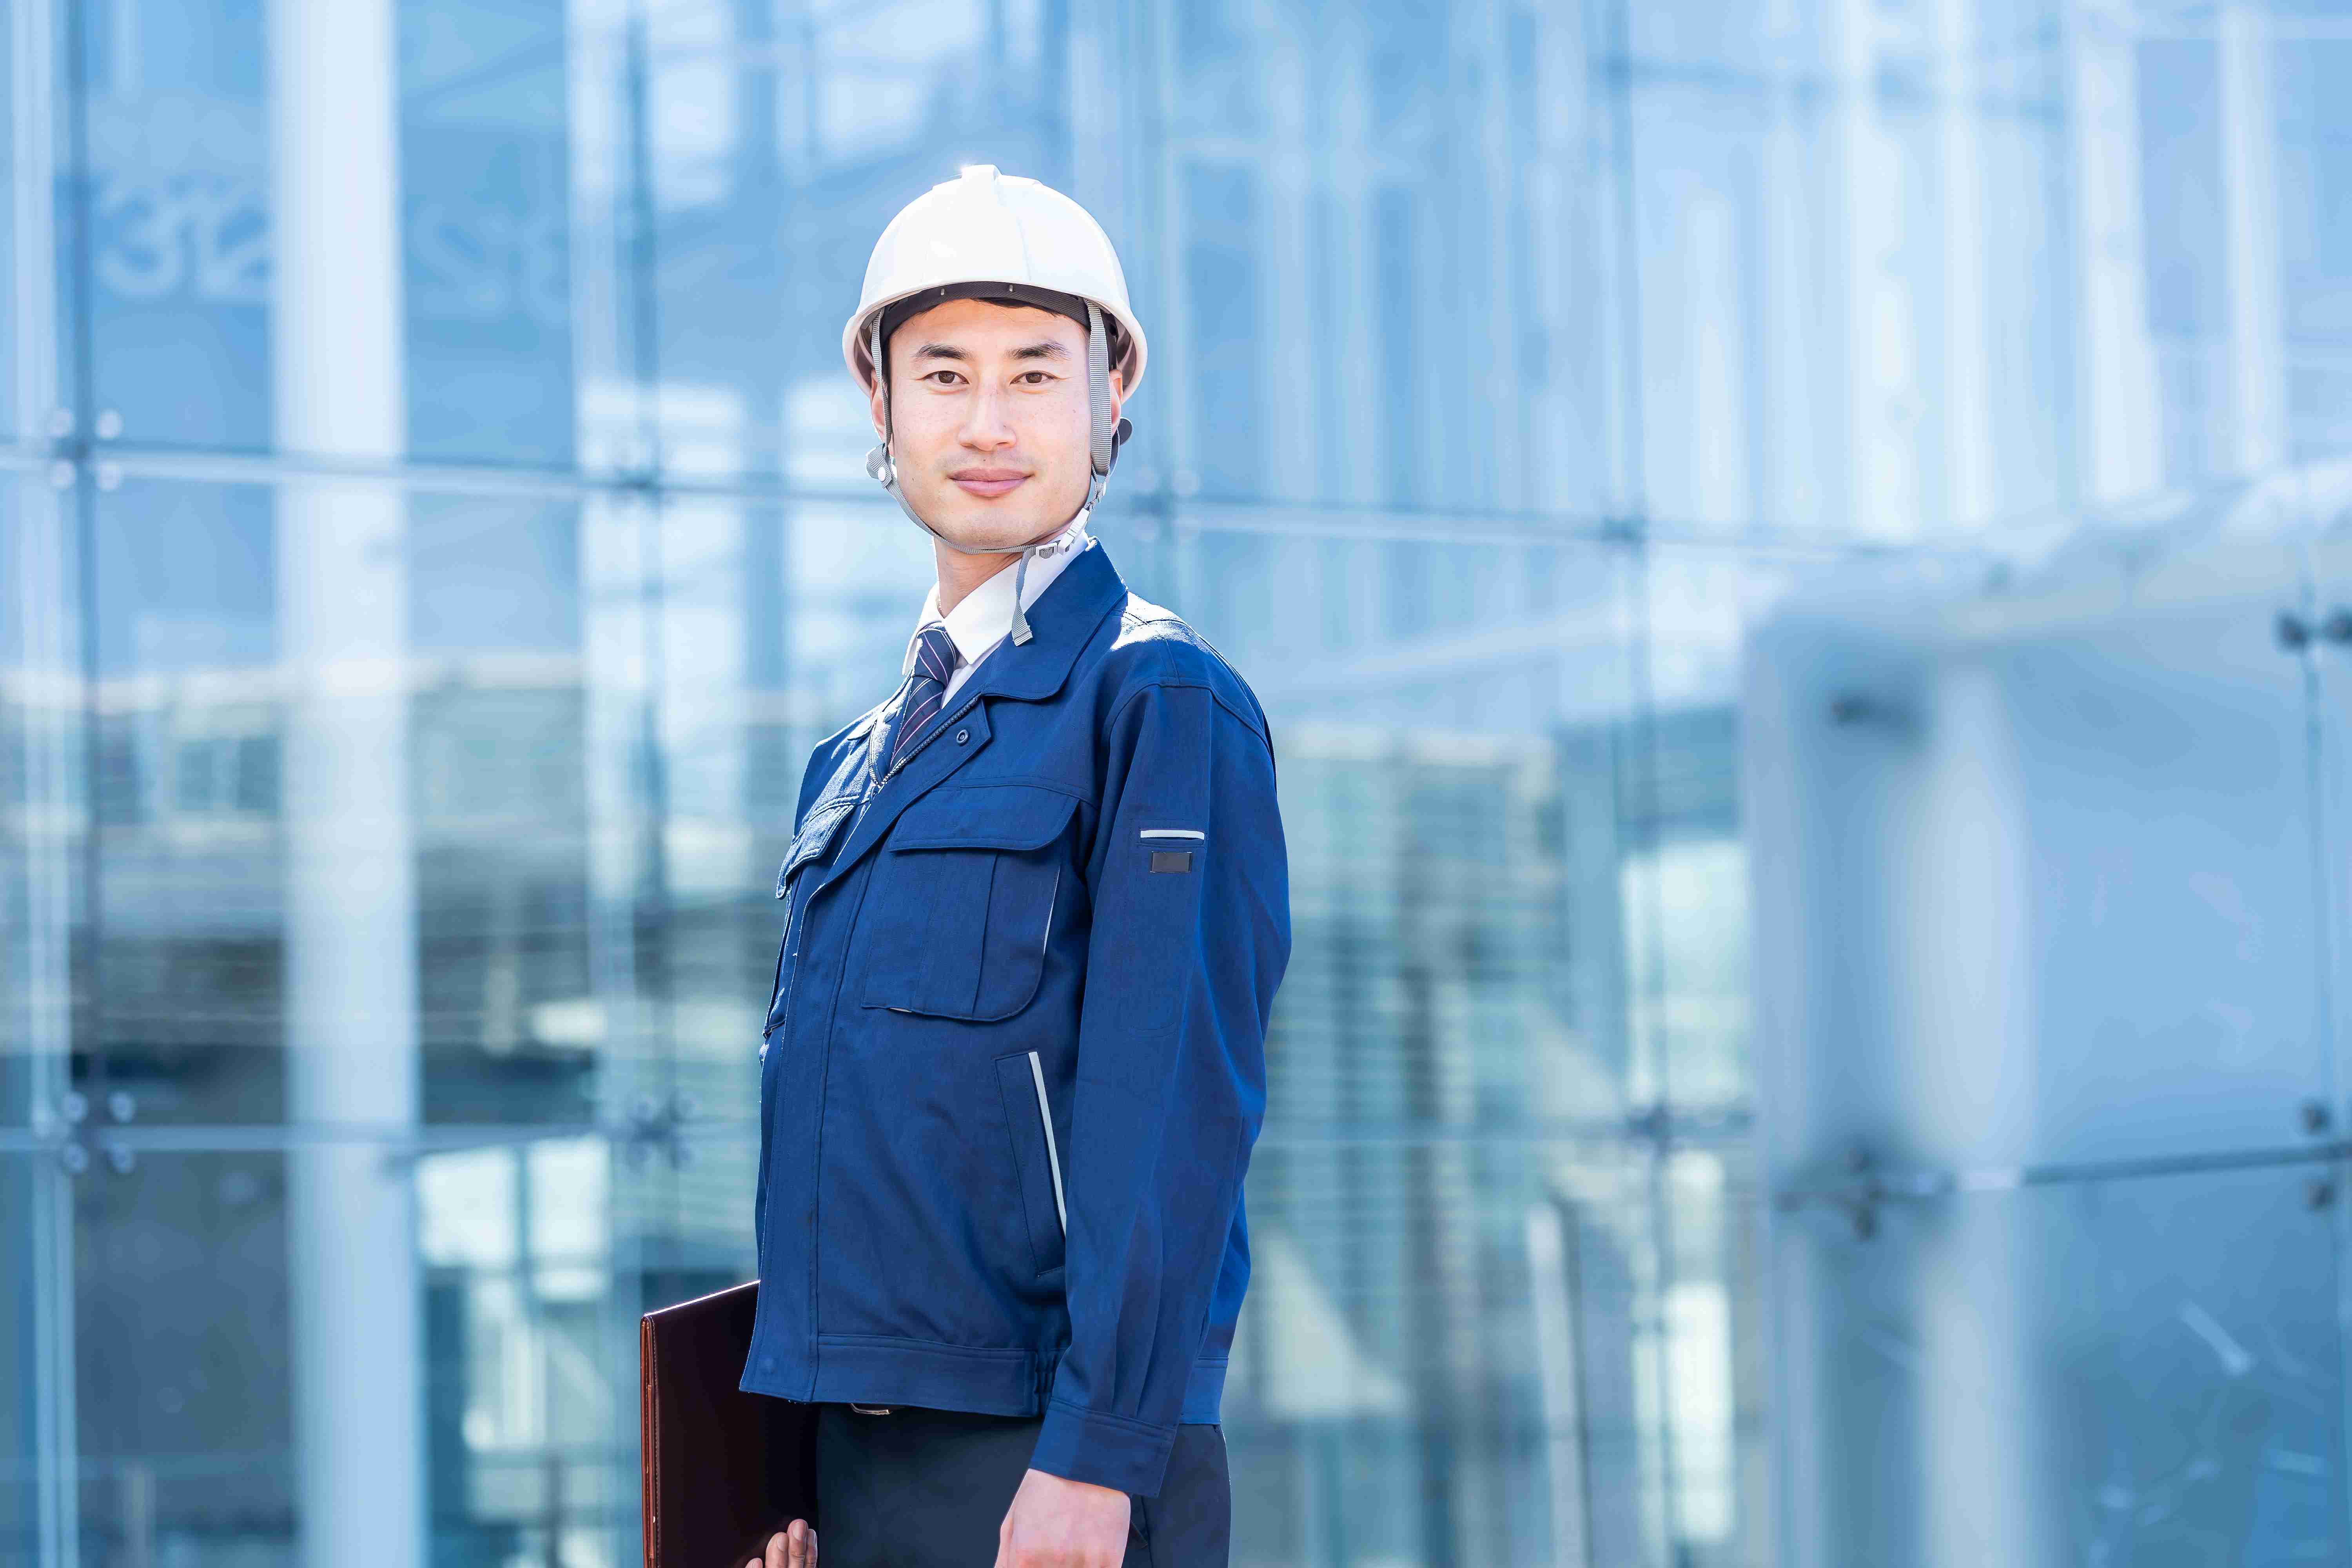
(977, 623)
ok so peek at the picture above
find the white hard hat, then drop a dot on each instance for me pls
(987, 228)
(1000, 237)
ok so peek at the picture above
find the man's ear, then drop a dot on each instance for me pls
(874, 405)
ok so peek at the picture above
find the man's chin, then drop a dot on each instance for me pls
(985, 525)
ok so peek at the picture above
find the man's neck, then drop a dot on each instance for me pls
(961, 574)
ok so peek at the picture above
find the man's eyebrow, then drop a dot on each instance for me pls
(1044, 349)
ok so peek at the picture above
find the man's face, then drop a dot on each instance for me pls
(990, 431)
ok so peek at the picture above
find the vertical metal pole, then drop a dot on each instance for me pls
(2323, 737)
(49, 581)
(608, 284)
(1559, 1366)
(57, 1471)
(1626, 504)
(351, 901)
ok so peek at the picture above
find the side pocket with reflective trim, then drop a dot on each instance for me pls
(1037, 1155)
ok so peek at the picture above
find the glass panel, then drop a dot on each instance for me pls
(725, 620)
(186, 1011)
(1434, 1319)
(27, 1284)
(1338, 219)
(177, 197)
(2315, 246)
(494, 275)
(1711, 1335)
(198, 994)
(259, 1333)
(1451, 722)
(512, 1016)
(24, 115)
(40, 791)
(780, 145)
(2038, 848)
(499, 316)
(2108, 1371)
(1685, 864)
(185, 1376)
(531, 1346)
(681, 1225)
(1851, 272)
(1460, 763)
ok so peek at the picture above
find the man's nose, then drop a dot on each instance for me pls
(984, 428)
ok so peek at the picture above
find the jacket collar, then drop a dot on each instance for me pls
(1060, 621)
(978, 622)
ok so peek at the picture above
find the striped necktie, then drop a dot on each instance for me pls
(935, 661)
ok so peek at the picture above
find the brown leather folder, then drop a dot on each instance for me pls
(723, 1469)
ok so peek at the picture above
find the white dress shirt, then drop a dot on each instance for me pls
(977, 623)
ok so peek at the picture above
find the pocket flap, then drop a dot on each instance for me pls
(983, 817)
(815, 833)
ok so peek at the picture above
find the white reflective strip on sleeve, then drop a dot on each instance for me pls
(1170, 833)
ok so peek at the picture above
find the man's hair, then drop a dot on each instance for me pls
(1014, 294)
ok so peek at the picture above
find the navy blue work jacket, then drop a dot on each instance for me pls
(1014, 1063)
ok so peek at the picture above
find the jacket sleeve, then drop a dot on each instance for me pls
(1181, 964)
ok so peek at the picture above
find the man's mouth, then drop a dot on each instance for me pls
(988, 482)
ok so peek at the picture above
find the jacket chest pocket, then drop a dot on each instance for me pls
(955, 922)
(815, 836)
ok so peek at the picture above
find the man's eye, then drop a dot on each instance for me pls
(1041, 378)
(937, 373)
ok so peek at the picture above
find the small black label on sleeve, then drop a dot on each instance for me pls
(1171, 859)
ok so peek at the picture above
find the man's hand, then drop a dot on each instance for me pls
(1056, 1522)
(795, 1546)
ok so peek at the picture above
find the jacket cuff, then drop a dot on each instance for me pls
(1108, 1450)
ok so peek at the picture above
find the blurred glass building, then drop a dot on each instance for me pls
(1789, 547)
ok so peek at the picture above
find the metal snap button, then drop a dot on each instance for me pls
(961, 736)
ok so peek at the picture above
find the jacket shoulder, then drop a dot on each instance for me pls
(832, 745)
(1154, 646)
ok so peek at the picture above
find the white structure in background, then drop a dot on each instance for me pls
(2038, 844)
(350, 900)
(2117, 388)
(2257, 324)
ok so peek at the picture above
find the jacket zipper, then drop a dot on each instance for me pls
(935, 730)
(1053, 1154)
(782, 991)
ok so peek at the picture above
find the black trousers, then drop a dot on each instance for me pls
(930, 1488)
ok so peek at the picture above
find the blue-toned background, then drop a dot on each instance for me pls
(1798, 553)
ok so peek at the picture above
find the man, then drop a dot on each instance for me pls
(1036, 910)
